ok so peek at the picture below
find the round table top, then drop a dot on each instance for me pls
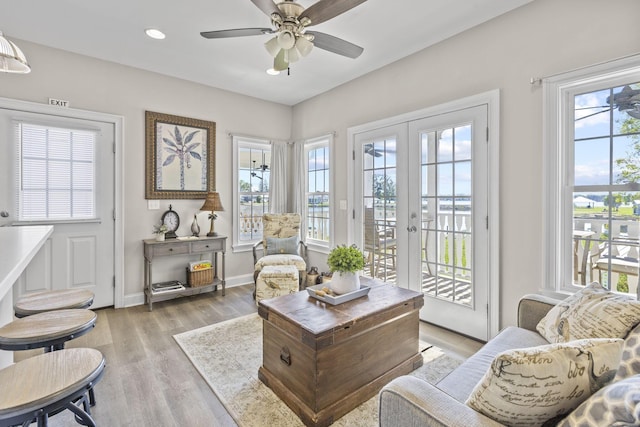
(37, 302)
(47, 378)
(44, 327)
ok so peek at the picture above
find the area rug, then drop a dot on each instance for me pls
(228, 355)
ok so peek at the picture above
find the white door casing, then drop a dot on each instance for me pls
(478, 315)
(85, 254)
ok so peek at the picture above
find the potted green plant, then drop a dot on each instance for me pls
(345, 262)
(160, 231)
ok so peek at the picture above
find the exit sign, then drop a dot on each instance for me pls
(58, 102)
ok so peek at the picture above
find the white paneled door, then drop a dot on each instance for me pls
(421, 212)
(60, 171)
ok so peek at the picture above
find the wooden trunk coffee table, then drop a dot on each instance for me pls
(324, 360)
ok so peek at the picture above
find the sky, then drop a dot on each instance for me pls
(595, 123)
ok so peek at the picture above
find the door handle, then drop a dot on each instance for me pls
(412, 229)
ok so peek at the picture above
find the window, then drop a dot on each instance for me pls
(317, 155)
(252, 160)
(592, 193)
(56, 173)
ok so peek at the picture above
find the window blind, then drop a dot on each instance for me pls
(56, 173)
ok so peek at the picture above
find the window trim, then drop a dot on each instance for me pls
(310, 144)
(240, 141)
(558, 92)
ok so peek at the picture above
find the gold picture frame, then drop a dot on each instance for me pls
(180, 157)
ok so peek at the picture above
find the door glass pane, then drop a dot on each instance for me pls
(446, 215)
(379, 204)
(57, 163)
(463, 143)
(445, 146)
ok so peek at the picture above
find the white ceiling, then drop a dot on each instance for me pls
(114, 30)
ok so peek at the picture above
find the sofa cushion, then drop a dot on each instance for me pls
(630, 363)
(530, 386)
(592, 312)
(459, 383)
(618, 404)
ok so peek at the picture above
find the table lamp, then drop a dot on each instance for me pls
(212, 204)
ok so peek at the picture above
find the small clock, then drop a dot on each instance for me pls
(171, 219)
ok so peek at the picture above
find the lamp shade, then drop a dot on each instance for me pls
(12, 60)
(303, 45)
(272, 46)
(212, 203)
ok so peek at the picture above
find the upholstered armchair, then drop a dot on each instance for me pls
(281, 245)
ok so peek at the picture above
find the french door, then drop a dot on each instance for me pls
(421, 212)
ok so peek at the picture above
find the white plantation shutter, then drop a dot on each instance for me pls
(56, 173)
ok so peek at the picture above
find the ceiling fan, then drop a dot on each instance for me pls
(290, 21)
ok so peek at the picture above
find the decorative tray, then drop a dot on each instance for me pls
(336, 299)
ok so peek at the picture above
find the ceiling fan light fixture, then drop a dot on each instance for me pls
(273, 47)
(303, 45)
(280, 62)
(12, 60)
(286, 39)
(273, 72)
(293, 55)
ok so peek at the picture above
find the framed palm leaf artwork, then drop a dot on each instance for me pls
(180, 154)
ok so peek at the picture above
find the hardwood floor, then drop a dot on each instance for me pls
(148, 380)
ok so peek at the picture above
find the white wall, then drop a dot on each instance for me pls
(542, 38)
(92, 84)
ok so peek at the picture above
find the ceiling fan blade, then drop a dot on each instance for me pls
(238, 32)
(335, 45)
(269, 7)
(324, 10)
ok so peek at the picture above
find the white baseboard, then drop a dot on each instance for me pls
(138, 298)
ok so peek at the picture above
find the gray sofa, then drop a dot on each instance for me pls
(410, 402)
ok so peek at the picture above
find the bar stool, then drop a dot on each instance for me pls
(49, 383)
(38, 302)
(48, 330)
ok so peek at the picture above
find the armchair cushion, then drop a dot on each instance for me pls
(592, 312)
(288, 245)
(285, 259)
(529, 386)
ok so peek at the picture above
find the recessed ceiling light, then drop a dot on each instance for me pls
(154, 33)
(273, 72)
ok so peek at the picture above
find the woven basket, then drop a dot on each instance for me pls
(200, 277)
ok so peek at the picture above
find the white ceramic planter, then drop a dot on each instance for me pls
(342, 283)
(160, 237)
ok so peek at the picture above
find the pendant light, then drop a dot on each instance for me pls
(12, 60)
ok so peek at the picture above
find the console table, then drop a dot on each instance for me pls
(154, 248)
